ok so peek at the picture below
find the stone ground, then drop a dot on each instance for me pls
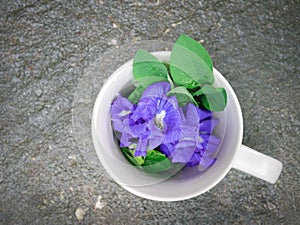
(45, 49)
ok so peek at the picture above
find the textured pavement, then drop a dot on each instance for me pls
(46, 49)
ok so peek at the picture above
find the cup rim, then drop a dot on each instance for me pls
(138, 191)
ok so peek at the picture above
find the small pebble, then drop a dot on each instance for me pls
(80, 214)
(73, 160)
(61, 196)
(38, 92)
(271, 206)
(113, 42)
(176, 24)
(99, 204)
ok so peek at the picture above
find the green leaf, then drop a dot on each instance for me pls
(146, 81)
(137, 93)
(214, 99)
(197, 92)
(137, 161)
(190, 63)
(147, 65)
(183, 96)
(156, 162)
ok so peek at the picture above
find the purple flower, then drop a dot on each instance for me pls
(196, 144)
(155, 120)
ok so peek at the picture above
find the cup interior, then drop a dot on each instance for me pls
(188, 182)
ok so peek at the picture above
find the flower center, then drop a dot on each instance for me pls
(124, 112)
(159, 119)
(199, 139)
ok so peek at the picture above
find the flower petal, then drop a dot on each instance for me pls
(141, 148)
(185, 143)
(172, 136)
(156, 136)
(183, 152)
(139, 129)
(125, 140)
(167, 149)
(206, 162)
(202, 141)
(207, 126)
(191, 115)
(118, 125)
(214, 140)
(159, 89)
(145, 109)
(204, 114)
(188, 131)
(121, 107)
(212, 146)
(172, 100)
(194, 161)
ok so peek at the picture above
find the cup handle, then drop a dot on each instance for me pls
(258, 164)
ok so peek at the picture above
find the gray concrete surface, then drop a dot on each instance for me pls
(46, 48)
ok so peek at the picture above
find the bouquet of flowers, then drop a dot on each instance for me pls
(167, 120)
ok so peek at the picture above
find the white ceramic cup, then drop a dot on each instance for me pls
(185, 184)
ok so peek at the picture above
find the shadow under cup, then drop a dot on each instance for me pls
(188, 182)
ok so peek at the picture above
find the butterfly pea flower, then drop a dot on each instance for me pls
(185, 135)
(196, 145)
(154, 121)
